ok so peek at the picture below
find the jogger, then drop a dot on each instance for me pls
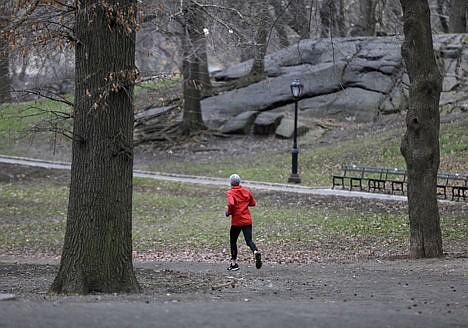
(239, 200)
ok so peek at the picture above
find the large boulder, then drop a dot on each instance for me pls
(347, 78)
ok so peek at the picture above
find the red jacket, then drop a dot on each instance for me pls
(239, 200)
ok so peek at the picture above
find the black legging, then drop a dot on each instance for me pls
(234, 234)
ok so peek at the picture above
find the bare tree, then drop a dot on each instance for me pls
(4, 62)
(194, 67)
(420, 144)
(97, 251)
(261, 34)
(441, 13)
(367, 17)
(332, 18)
(457, 16)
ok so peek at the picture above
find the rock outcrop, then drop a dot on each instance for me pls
(354, 79)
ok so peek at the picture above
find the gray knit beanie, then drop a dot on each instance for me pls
(235, 180)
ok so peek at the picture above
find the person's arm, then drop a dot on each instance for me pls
(252, 201)
(230, 203)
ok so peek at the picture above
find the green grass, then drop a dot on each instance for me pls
(317, 164)
(18, 121)
(180, 216)
(173, 217)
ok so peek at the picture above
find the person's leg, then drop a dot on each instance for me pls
(233, 235)
(247, 231)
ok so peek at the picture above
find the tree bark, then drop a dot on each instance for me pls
(420, 144)
(280, 26)
(4, 64)
(457, 16)
(194, 71)
(367, 9)
(261, 35)
(332, 19)
(442, 16)
(97, 252)
(299, 20)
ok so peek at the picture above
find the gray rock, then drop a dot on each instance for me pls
(272, 92)
(352, 79)
(286, 128)
(152, 113)
(266, 123)
(7, 297)
(352, 104)
(241, 124)
(348, 79)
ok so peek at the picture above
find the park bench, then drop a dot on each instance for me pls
(458, 182)
(375, 177)
(443, 183)
(351, 173)
(397, 179)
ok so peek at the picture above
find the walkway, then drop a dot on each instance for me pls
(183, 178)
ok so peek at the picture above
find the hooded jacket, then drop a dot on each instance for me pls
(239, 200)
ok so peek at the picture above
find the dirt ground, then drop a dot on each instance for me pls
(396, 293)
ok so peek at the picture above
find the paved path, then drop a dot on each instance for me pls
(426, 293)
(214, 181)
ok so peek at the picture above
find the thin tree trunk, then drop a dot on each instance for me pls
(442, 16)
(97, 252)
(194, 72)
(457, 16)
(420, 144)
(367, 9)
(332, 23)
(300, 19)
(4, 65)
(280, 26)
(262, 19)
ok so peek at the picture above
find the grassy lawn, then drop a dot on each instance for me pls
(174, 218)
(179, 217)
(317, 164)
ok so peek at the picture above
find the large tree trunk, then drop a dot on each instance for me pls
(457, 16)
(4, 64)
(420, 145)
(194, 68)
(97, 253)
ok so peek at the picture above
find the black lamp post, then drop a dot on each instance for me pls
(296, 91)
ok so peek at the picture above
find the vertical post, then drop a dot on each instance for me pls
(294, 178)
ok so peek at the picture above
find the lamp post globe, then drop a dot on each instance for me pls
(296, 92)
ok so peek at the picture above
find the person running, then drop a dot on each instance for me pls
(238, 201)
